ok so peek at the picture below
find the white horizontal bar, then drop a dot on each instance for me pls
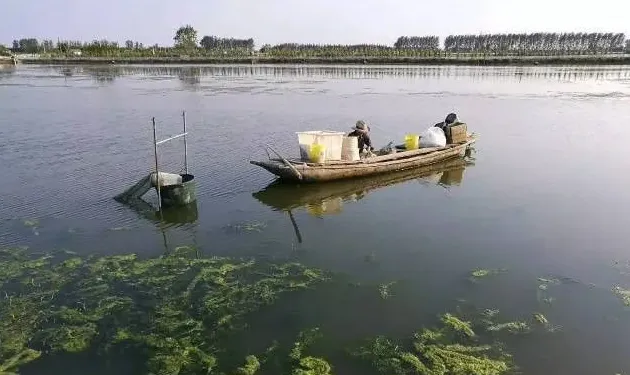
(170, 139)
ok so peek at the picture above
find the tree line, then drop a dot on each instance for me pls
(538, 43)
(186, 42)
(427, 43)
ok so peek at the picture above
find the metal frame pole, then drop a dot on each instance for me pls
(185, 144)
(157, 170)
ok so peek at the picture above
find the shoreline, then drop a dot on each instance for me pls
(368, 60)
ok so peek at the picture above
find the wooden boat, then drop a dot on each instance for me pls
(300, 171)
(284, 197)
(321, 199)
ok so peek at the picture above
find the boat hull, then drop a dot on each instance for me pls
(314, 173)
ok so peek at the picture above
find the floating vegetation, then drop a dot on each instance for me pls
(544, 283)
(623, 294)
(548, 281)
(540, 318)
(517, 326)
(512, 327)
(312, 366)
(384, 290)
(490, 313)
(31, 223)
(252, 365)
(254, 226)
(481, 273)
(119, 229)
(437, 351)
(174, 308)
(543, 286)
(457, 325)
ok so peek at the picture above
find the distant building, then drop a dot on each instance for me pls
(76, 52)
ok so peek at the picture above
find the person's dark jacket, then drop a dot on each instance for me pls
(450, 119)
(364, 140)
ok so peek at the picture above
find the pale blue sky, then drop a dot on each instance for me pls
(321, 21)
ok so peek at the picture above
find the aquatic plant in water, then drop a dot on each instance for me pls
(481, 273)
(173, 307)
(623, 294)
(384, 290)
(451, 349)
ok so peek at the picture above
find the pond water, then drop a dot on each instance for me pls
(544, 194)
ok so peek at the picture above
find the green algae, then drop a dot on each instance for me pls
(458, 325)
(19, 359)
(312, 366)
(452, 348)
(622, 294)
(385, 290)
(252, 365)
(540, 318)
(306, 338)
(172, 307)
(254, 226)
(481, 273)
(32, 223)
(512, 327)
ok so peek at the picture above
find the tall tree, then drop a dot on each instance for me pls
(129, 44)
(29, 45)
(47, 45)
(185, 37)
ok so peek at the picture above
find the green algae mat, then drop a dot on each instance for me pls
(179, 314)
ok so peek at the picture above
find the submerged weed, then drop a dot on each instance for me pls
(622, 294)
(33, 223)
(175, 307)
(437, 351)
(252, 365)
(512, 327)
(481, 273)
(540, 318)
(384, 290)
(254, 226)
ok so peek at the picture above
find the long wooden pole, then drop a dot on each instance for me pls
(157, 170)
(185, 144)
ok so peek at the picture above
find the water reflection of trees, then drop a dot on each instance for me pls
(6, 71)
(100, 74)
(191, 75)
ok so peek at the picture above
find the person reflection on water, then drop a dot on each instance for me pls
(362, 131)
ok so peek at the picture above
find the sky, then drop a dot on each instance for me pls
(302, 21)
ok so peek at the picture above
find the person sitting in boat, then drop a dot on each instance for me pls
(362, 131)
(450, 119)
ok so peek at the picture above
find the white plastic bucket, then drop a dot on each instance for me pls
(350, 149)
(166, 179)
(331, 139)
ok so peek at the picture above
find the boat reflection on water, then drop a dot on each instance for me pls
(171, 216)
(329, 198)
(167, 217)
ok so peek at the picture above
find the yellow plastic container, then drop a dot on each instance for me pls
(412, 141)
(317, 153)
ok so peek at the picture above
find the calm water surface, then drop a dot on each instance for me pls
(545, 196)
